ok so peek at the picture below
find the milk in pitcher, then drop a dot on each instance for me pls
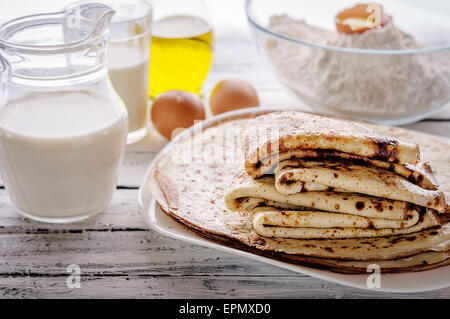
(60, 152)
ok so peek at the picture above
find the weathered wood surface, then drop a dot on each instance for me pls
(120, 257)
(188, 286)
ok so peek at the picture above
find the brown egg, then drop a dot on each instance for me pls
(232, 94)
(174, 110)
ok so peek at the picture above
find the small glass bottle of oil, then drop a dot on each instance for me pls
(181, 54)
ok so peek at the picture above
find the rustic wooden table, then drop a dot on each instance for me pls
(120, 257)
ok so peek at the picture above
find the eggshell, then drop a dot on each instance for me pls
(370, 12)
(176, 109)
(232, 94)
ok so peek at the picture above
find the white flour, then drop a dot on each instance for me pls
(359, 83)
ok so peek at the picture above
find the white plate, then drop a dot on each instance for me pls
(157, 220)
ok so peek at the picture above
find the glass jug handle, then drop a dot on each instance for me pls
(92, 18)
(5, 72)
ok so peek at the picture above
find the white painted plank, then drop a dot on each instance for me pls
(189, 286)
(122, 214)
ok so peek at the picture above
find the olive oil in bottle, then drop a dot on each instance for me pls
(181, 54)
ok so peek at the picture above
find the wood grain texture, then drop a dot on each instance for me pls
(266, 287)
(118, 255)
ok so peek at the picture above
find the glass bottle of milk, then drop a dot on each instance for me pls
(128, 60)
(63, 129)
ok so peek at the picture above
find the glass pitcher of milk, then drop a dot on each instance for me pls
(63, 129)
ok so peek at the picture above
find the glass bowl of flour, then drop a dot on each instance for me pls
(395, 74)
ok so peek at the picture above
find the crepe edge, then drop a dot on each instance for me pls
(309, 261)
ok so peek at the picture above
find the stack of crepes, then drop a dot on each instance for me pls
(315, 177)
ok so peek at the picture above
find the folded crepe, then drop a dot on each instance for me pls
(294, 176)
(277, 136)
(332, 179)
(323, 214)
